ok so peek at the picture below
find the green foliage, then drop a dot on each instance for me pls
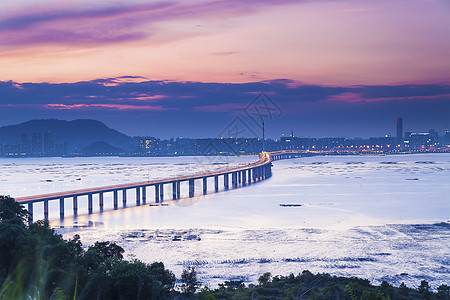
(424, 289)
(36, 263)
(232, 285)
(443, 291)
(424, 286)
(12, 211)
(205, 294)
(107, 250)
(265, 279)
(190, 281)
(314, 286)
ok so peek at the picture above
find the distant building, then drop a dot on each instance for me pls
(446, 138)
(399, 129)
(422, 140)
(148, 145)
(36, 144)
(48, 144)
(24, 144)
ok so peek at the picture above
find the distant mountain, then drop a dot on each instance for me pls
(78, 133)
(101, 149)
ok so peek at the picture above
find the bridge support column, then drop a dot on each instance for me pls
(61, 208)
(100, 201)
(144, 195)
(244, 177)
(205, 185)
(174, 190)
(124, 197)
(46, 209)
(90, 203)
(30, 210)
(234, 180)
(249, 176)
(161, 192)
(156, 193)
(178, 189)
(75, 206)
(191, 188)
(115, 199)
(216, 183)
(225, 180)
(138, 196)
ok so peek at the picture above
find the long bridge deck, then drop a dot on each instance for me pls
(242, 175)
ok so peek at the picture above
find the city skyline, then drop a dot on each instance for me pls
(52, 138)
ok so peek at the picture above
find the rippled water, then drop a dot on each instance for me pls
(376, 217)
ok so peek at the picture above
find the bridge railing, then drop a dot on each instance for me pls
(240, 176)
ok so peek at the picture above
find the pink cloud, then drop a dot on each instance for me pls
(113, 106)
(150, 98)
(356, 97)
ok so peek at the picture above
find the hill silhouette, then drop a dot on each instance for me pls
(101, 149)
(80, 133)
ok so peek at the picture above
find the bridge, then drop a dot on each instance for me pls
(240, 176)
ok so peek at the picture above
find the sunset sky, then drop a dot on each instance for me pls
(187, 68)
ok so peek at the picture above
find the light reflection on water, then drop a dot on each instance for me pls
(343, 226)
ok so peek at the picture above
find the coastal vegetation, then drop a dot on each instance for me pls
(37, 263)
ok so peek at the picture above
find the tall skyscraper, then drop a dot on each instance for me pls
(36, 144)
(399, 129)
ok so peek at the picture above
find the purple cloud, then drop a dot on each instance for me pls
(168, 108)
(110, 24)
(35, 18)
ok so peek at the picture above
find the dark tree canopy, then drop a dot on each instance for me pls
(12, 211)
(37, 263)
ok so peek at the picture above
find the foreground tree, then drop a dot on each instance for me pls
(190, 282)
(12, 211)
(37, 263)
(443, 291)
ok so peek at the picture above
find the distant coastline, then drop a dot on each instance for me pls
(58, 138)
